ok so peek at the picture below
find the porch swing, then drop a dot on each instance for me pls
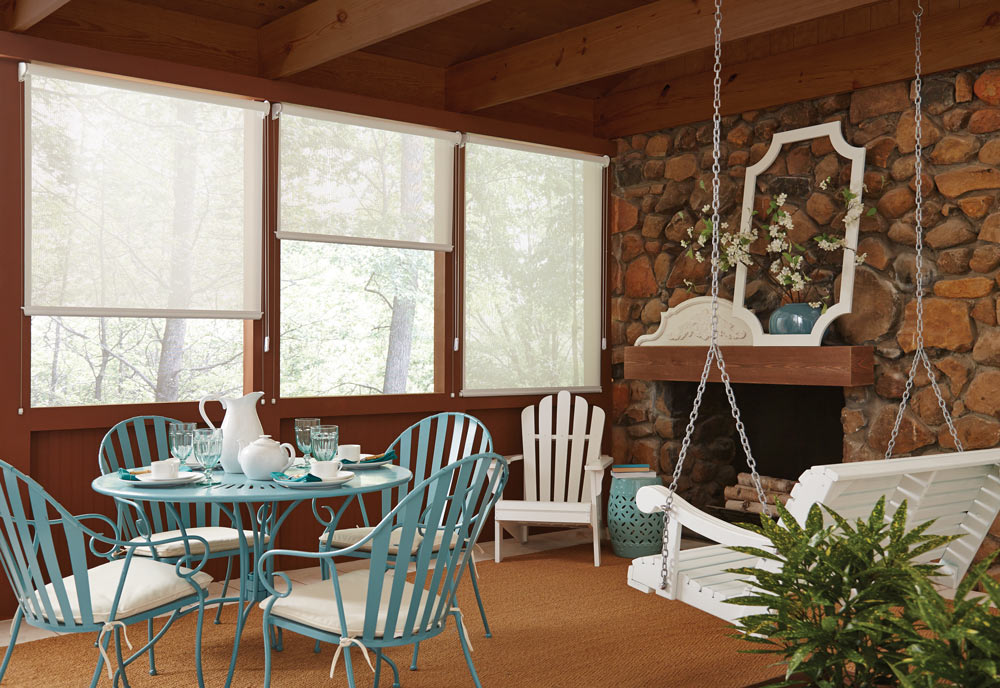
(960, 490)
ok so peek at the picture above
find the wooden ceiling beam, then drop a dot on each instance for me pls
(23, 14)
(327, 29)
(652, 100)
(636, 38)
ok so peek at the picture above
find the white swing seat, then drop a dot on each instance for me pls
(960, 491)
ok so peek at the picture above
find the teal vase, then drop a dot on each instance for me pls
(793, 318)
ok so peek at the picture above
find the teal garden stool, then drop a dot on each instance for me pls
(633, 533)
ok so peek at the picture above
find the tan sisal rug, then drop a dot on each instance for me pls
(557, 622)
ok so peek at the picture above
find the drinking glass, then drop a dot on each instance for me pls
(324, 439)
(208, 451)
(181, 439)
(303, 435)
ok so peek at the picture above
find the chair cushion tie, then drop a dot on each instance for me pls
(107, 626)
(347, 642)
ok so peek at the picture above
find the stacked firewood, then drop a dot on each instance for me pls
(743, 495)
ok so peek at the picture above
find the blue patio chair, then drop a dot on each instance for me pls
(136, 442)
(376, 608)
(43, 552)
(423, 448)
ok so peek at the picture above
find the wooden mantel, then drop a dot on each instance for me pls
(825, 366)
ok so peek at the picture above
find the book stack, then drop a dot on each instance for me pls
(632, 470)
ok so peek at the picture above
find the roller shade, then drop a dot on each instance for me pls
(532, 275)
(349, 179)
(141, 199)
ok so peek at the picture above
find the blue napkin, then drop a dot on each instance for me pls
(387, 456)
(304, 478)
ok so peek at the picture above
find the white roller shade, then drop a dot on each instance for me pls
(141, 199)
(349, 179)
(532, 273)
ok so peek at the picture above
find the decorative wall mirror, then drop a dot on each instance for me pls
(775, 204)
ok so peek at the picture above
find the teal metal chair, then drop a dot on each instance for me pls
(136, 442)
(423, 448)
(377, 608)
(43, 552)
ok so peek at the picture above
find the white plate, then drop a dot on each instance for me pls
(149, 481)
(358, 466)
(342, 477)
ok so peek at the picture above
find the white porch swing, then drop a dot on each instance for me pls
(960, 490)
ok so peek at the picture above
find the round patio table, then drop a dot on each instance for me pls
(262, 500)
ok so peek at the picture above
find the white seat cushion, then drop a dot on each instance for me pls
(345, 537)
(315, 605)
(148, 585)
(219, 540)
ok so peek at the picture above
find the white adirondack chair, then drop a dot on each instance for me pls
(960, 490)
(563, 471)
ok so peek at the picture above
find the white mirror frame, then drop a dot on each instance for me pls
(857, 157)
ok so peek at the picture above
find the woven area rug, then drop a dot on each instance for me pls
(557, 622)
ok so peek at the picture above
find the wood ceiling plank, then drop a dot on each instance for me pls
(616, 44)
(327, 29)
(558, 110)
(647, 102)
(150, 31)
(23, 14)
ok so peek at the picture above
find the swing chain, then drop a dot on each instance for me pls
(919, 353)
(714, 352)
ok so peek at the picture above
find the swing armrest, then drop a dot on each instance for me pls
(652, 498)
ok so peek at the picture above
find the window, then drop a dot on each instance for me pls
(532, 273)
(143, 214)
(365, 219)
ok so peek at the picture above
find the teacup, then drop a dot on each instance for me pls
(164, 470)
(349, 452)
(327, 470)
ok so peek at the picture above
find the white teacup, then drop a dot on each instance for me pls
(164, 470)
(349, 452)
(327, 470)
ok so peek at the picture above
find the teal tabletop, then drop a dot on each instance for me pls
(236, 487)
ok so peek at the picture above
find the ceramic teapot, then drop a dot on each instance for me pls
(240, 424)
(260, 458)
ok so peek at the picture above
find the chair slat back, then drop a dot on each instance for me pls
(41, 544)
(960, 491)
(451, 506)
(137, 442)
(555, 453)
(433, 443)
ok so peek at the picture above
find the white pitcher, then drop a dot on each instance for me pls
(239, 424)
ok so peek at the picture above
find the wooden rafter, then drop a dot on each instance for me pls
(651, 101)
(636, 38)
(327, 29)
(23, 14)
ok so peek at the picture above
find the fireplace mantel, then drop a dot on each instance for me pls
(825, 366)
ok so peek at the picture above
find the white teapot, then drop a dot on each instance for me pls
(263, 456)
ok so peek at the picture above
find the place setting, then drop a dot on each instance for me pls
(326, 467)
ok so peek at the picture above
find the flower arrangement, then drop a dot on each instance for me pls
(765, 247)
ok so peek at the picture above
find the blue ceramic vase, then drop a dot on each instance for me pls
(793, 318)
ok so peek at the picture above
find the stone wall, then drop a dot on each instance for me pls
(661, 181)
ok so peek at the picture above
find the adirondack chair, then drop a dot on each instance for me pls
(563, 471)
(961, 491)
(136, 442)
(423, 448)
(417, 555)
(44, 551)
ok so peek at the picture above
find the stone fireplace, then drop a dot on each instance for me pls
(663, 173)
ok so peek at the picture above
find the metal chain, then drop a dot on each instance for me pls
(714, 352)
(919, 353)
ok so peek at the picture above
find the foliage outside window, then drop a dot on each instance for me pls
(532, 269)
(144, 214)
(364, 212)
